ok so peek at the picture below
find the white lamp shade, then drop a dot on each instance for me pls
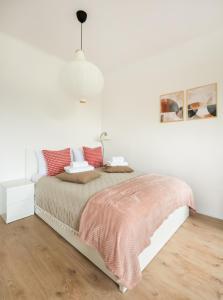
(84, 79)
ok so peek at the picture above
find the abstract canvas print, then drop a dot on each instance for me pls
(171, 107)
(202, 102)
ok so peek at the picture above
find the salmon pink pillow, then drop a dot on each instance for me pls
(93, 156)
(57, 160)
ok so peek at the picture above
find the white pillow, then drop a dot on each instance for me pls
(42, 167)
(78, 154)
(35, 177)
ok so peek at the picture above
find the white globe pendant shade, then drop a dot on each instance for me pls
(84, 79)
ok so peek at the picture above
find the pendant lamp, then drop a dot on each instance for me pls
(85, 80)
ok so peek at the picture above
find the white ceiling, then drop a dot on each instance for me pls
(117, 31)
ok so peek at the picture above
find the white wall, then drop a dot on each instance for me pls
(34, 111)
(191, 150)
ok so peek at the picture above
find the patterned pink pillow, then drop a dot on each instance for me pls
(56, 160)
(93, 156)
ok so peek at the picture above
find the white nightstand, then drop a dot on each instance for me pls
(17, 199)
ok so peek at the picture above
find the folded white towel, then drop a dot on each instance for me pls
(79, 164)
(71, 170)
(118, 159)
(115, 164)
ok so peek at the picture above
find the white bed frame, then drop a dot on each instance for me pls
(158, 240)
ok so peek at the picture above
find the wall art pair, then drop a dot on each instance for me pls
(201, 103)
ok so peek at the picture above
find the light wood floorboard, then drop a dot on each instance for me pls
(36, 263)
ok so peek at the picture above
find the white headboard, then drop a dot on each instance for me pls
(31, 165)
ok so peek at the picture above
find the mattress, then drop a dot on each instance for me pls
(66, 201)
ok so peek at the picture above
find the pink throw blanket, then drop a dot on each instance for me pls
(120, 220)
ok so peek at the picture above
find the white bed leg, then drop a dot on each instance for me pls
(122, 289)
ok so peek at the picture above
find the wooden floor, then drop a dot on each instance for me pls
(35, 263)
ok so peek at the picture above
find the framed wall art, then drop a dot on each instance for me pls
(202, 102)
(171, 107)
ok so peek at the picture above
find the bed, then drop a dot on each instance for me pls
(61, 205)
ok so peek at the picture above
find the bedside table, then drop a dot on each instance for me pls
(17, 199)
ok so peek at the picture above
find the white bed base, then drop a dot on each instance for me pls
(158, 240)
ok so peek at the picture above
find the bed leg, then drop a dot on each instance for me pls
(122, 289)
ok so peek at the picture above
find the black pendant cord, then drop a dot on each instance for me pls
(82, 17)
(81, 36)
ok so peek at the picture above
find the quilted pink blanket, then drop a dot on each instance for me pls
(120, 220)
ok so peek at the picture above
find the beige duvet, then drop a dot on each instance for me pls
(66, 200)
